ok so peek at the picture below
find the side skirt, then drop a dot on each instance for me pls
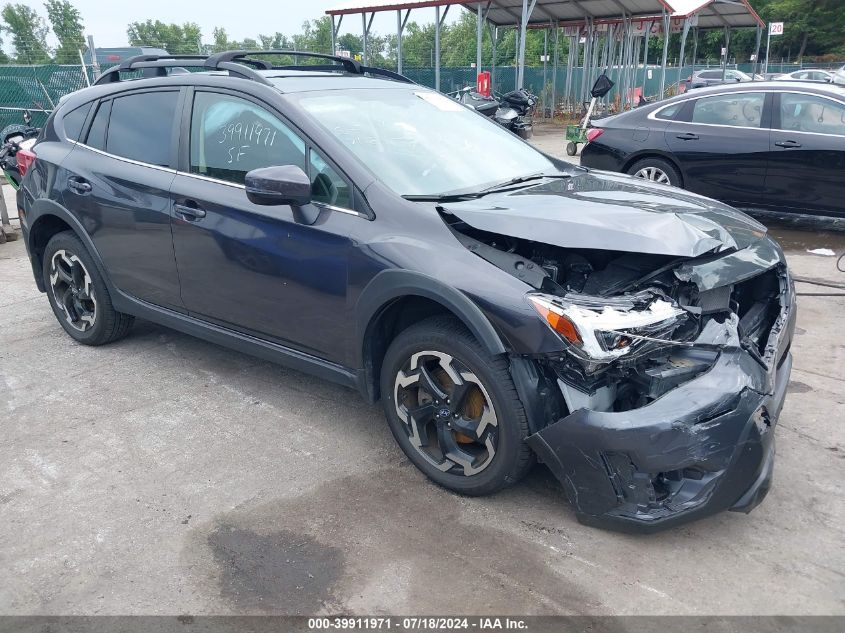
(273, 352)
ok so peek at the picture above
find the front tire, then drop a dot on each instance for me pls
(78, 294)
(453, 408)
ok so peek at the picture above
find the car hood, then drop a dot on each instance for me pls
(601, 210)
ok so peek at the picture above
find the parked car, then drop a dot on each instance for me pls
(714, 77)
(807, 74)
(773, 146)
(635, 337)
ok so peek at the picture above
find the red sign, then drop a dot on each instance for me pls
(482, 84)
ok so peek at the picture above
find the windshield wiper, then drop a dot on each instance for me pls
(457, 196)
(521, 179)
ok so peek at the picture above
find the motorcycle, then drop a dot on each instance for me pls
(15, 138)
(477, 101)
(516, 111)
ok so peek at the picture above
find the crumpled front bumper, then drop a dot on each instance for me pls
(703, 447)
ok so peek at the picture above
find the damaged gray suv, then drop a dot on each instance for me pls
(503, 305)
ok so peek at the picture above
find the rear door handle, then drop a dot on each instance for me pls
(188, 213)
(788, 144)
(688, 136)
(79, 186)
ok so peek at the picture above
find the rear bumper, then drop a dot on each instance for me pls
(704, 447)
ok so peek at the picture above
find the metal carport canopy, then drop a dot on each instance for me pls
(715, 14)
(509, 12)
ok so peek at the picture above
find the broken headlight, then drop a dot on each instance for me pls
(602, 329)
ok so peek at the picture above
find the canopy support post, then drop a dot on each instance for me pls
(666, 26)
(683, 46)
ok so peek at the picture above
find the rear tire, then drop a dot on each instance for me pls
(470, 438)
(78, 294)
(571, 149)
(656, 170)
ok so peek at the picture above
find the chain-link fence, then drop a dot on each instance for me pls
(39, 88)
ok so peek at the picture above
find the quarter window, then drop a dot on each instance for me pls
(739, 109)
(74, 120)
(141, 127)
(808, 113)
(669, 112)
(231, 136)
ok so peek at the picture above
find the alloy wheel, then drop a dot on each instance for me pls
(654, 174)
(447, 413)
(73, 290)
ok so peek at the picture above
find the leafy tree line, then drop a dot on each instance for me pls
(814, 30)
(29, 30)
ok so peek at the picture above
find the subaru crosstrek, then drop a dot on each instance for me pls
(504, 306)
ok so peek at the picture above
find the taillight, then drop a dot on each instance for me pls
(688, 78)
(26, 159)
(593, 133)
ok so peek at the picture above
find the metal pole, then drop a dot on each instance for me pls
(768, 41)
(479, 34)
(94, 62)
(666, 24)
(545, 65)
(84, 68)
(694, 49)
(645, 56)
(683, 46)
(527, 9)
(334, 38)
(757, 53)
(554, 70)
(727, 44)
(399, 41)
(437, 47)
(365, 29)
(495, 39)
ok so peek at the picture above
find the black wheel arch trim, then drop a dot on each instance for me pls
(394, 284)
(42, 208)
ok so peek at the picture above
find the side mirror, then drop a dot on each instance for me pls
(739, 79)
(277, 185)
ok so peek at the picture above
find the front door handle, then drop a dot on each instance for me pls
(687, 136)
(188, 213)
(77, 185)
(788, 144)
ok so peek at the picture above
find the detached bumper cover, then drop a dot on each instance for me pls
(704, 447)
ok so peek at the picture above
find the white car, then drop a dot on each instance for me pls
(839, 76)
(806, 74)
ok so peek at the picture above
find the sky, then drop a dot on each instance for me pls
(107, 21)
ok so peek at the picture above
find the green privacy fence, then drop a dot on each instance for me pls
(39, 88)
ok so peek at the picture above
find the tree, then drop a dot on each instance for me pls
(174, 38)
(67, 26)
(29, 34)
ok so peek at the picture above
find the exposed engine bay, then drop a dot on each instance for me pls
(636, 325)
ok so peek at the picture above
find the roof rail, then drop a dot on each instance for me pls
(238, 63)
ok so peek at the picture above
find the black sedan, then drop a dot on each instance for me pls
(774, 146)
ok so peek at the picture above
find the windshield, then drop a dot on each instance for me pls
(422, 143)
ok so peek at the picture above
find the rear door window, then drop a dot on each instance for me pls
(141, 127)
(810, 113)
(744, 109)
